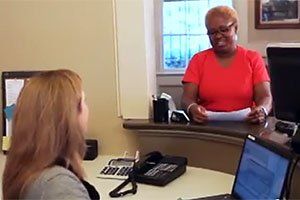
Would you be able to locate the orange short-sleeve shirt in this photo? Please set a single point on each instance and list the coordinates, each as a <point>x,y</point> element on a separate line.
<point>226,88</point>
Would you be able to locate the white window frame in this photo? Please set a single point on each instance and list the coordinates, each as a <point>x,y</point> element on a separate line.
<point>158,9</point>
<point>160,71</point>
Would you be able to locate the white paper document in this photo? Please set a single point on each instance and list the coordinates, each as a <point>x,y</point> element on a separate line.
<point>239,115</point>
<point>13,88</point>
<point>8,127</point>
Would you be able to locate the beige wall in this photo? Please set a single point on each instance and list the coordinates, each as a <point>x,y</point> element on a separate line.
<point>136,56</point>
<point>79,34</point>
<point>259,38</point>
<point>46,34</point>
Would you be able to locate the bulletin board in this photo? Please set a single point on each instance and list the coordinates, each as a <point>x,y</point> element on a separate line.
<point>12,83</point>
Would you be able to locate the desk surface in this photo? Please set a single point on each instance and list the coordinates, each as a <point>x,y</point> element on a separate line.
<point>195,182</point>
<point>222,130</point>
<point>237,129</point>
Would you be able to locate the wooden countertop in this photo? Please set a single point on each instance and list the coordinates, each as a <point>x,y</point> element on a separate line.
<point>234,130</point>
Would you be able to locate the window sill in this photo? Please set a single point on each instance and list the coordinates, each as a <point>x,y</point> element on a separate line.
<point>170,73</point>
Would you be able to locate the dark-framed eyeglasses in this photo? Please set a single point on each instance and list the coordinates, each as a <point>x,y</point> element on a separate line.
<point>224,30</point>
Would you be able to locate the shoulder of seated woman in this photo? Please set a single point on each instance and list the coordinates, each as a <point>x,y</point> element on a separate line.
<point>55,181</point>
<point>57,172</point>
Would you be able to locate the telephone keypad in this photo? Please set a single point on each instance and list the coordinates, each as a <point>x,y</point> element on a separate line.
<point>161,170</point>
<point>116,169</point>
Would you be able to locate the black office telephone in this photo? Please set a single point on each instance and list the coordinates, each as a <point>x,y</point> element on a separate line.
<point>156,169</point>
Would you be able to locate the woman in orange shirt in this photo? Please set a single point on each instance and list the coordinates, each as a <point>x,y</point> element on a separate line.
<point>226,77</point>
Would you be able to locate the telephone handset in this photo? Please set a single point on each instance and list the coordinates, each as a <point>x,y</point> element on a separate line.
<point>147,161</point>
<point>156,169</point>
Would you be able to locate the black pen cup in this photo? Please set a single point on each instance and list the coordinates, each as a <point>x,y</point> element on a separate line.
<point>161,110</point>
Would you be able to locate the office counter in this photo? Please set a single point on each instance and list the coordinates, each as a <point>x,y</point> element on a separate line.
<point>214,138</point>
<point>232,132</point>
<point>214,145</point>
<point>195,182</point>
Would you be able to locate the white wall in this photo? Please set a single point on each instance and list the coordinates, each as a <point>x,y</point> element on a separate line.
<point>136,56</point>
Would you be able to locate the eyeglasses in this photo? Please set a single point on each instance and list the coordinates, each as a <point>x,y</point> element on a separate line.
<point>224,30</point>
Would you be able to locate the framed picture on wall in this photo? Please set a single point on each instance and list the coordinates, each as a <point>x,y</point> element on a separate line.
<point>277,14</point>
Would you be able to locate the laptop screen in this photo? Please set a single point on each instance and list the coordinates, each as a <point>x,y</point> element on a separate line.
<point>261,173</point>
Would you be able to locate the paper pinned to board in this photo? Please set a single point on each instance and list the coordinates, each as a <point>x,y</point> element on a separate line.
<point>239,115</point>
<point>9,111</point>
<point>5,143</point>
<point>8,124</point>
<point>13,88</point>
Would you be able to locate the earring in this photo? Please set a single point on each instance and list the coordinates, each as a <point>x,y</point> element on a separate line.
<point>235,37</point>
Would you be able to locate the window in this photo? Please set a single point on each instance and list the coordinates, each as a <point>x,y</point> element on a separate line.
<point>184,31</point>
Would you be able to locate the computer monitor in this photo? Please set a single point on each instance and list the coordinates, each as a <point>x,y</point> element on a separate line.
<point>284,66</point>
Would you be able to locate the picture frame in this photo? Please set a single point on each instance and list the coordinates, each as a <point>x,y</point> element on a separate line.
<point>277,14</point>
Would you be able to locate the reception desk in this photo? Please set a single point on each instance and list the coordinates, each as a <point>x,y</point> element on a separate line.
<point>195,182</point>
<point>232,132</point>
<point>214,145</point>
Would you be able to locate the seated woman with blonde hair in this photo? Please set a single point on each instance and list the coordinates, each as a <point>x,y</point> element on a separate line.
<point>47,145</point>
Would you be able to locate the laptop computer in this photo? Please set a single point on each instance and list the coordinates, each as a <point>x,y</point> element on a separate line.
<point>262,172</point>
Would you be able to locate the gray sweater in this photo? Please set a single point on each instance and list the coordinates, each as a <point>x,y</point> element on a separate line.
<point>57,183</point>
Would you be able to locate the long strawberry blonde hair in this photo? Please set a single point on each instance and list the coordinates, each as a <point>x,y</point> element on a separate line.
<point>45,130</point>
